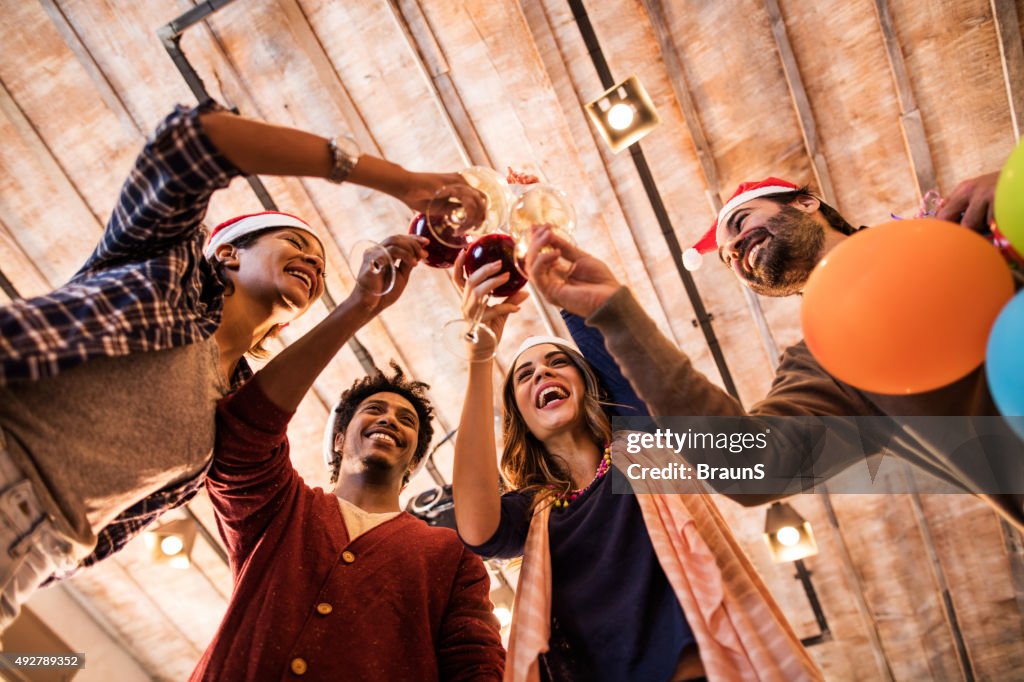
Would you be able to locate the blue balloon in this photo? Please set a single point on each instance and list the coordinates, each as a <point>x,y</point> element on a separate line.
<point>1004,363</point>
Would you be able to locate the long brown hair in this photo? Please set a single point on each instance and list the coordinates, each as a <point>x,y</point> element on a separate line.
<point>526,465</point>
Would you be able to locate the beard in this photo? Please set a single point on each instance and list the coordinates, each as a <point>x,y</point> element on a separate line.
<point>787,259</point>
<point>374,468</point>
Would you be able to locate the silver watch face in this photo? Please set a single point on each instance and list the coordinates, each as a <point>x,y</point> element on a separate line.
<point>347,148</point>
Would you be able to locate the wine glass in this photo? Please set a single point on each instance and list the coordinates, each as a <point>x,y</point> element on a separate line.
<point>380,263</point>
<point>449,227</point>
<point>465,337</point>
<point>449,224</point>
<point>541,204</point>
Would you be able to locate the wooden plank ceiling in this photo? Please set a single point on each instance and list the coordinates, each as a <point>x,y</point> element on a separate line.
<point>864,99</point>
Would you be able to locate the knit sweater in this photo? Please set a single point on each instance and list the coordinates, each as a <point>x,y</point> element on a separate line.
<point>404,601</point>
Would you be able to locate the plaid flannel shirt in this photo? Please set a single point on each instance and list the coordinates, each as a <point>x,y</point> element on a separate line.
<point>146,287</point>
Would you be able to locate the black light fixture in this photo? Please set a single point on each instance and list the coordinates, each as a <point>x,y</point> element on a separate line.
<point>171,543</point>
<point>789,535</point>
<point>790,538</point>
<point>623,114</point>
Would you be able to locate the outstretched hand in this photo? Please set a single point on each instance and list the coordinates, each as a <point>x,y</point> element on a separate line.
<point>971,203</point>
<point>567,276</point>
<point>451,189</point>
<point>475,292</point>
<point>406,251</point>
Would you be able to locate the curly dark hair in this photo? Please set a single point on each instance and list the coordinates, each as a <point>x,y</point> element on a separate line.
<point>832,216</point>
<point>378,382</point>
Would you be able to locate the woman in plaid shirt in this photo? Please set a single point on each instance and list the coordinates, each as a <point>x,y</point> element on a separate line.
<point>108,384</point>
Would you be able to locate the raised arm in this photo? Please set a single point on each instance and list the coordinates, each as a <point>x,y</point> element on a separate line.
<point>287,378</point>
<point>475,477</point>
<point>258,148</point>
<point>195,152</point>
<point>662,375</point>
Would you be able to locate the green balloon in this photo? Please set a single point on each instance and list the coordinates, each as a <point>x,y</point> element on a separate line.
<point>1009,202</point>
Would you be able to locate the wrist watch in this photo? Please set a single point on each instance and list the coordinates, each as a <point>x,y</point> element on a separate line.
<point>345,152</point>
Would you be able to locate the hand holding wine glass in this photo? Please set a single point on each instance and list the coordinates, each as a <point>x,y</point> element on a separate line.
<point>477,288</point>
<point>568,276</point>
<point>446,191</point>
<point>496,256</point>
<point>403,253</point>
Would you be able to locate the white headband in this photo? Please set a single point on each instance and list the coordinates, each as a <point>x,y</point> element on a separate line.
<point>532,341</point>
<point>231,231</point>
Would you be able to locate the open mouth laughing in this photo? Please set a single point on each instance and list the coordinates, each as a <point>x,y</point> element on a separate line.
<point>305,275</point>
<point>384,436</point>
<point>751,249</point>
<point>549,395</point>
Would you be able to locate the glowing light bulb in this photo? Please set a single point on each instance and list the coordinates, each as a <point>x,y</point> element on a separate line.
<point>180,562</point>
<point>503,615</point>
<point>171,545</point>
<point>788,536</point>
<point>620,116</point>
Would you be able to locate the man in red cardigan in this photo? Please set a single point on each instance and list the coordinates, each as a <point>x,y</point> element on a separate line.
<point>340,585</point>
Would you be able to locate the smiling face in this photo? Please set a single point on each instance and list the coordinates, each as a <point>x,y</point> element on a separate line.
<point>549,391</point>
<point>381,438</point>
<point>282,268</point>
<point>772,248</point>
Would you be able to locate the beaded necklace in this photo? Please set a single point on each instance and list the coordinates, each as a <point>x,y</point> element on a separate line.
<point>563,500</point>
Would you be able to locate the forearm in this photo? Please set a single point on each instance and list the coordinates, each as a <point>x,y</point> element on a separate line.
<point>475,475</point>
<point>287,378</point>
<point>660,373</point>
<point>258,148</point>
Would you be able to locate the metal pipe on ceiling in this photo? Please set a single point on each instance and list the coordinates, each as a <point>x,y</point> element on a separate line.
<point>170,36</point>
<point>704,319</point>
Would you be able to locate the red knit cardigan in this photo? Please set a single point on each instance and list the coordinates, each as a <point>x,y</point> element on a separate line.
<point>404,601</point>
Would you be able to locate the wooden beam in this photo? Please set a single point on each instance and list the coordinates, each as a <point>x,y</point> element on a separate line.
<point>309,42</point>
<point>409,17</point>
<point>1013,541</point>
<point>1011,53</point>
<point>804,113</point>
<point>857,588</point>
<point>713,187</point>
<point>910,117</point>
<point>434,65</point>
<point>939,575</point>
<point>677,77</point>
<point>40,149</point>
<point>106,90</point>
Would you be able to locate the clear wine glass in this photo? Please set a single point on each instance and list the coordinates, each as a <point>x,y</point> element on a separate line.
<point>380,262</point>
<point>541,204</point>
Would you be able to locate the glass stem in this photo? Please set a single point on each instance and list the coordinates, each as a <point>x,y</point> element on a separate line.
<point>477,317</point>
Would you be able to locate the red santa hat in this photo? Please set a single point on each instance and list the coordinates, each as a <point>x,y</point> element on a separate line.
<point>747,191</point>
<point>230,230</point>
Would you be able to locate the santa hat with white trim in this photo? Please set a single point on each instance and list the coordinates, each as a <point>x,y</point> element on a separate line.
<point>747,191</point>
<point>230,230</point>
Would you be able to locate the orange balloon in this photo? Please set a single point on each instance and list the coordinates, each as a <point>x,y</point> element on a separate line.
<point>906,306</point>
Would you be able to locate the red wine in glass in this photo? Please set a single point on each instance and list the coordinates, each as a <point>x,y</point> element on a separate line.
<point>497,247</point>
<point>441,252</point>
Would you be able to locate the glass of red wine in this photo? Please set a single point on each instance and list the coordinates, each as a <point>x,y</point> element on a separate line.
<point>467,337</point>
<point>447,225</point>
